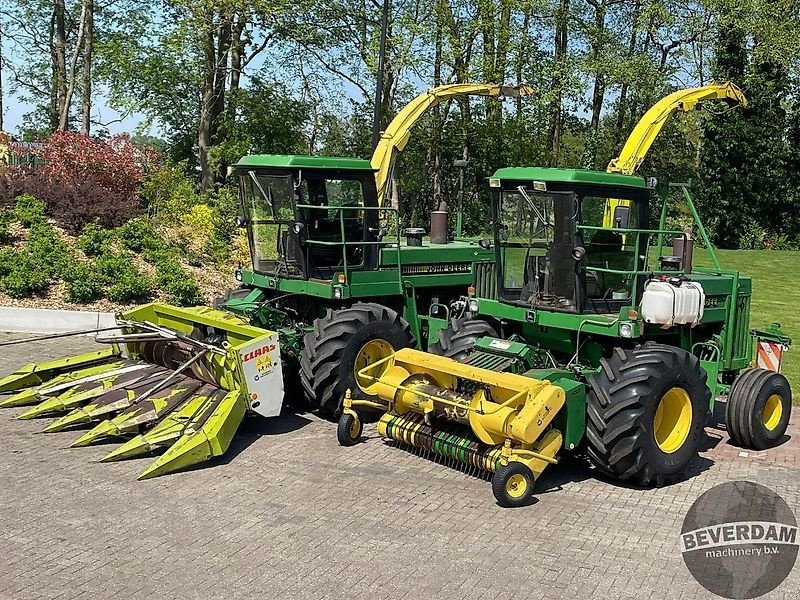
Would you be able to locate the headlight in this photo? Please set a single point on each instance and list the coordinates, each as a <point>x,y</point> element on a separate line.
<point>238,274</point>
<point>473,305</point>
<point>337,293</point>
<point>626,330</point>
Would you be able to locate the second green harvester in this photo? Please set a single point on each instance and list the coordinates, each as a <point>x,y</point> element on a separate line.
<point>578,337</point>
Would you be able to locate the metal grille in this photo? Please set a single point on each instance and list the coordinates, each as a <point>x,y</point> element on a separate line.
<point>486,280</point>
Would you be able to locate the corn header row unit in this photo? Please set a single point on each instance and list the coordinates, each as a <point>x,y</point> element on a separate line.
<point>576,323</point>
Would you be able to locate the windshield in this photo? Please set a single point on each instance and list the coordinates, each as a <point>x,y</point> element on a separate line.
<point>536,236</point>
<point>269,207</point>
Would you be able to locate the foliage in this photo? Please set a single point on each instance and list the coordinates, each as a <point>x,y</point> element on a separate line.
<point>167,192</point>
<point>83,283</point>
<point>25,277</point>
<point>130,286</point>
<point>138,234</point>
<point>6,217</point>
<point>28,210</point>
<point>47,249</point>
<point>94,239</point>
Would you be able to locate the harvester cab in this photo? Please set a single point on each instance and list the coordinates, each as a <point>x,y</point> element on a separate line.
<point>309,217</point>
<point>555,252</point>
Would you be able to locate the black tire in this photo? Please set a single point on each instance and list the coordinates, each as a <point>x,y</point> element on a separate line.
<point>349,430</point>
<point>622,405</point>
<point>457,340</point>
<point>327,363</point>
<point>506,483</point>
<point>747,421</point>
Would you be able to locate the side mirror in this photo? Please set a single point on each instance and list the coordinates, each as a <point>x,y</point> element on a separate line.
<point>578,253</point>
<point>622,217</point>
<point>241,221</point>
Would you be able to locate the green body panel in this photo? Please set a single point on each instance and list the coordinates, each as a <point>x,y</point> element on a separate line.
<point>575,176</point>
<point>290,161</point>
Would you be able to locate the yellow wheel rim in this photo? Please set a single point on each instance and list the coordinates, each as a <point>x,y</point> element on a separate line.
<point>371,352</point>
<point>355,425</point>
<point>773,411</point>
<point>673,420</point>
<point>516,486</point>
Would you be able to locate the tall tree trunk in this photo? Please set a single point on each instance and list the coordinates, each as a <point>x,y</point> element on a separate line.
<point>205,126</point>
<point>623,92</point>
<point>88,48</point>
<point>1,78</point>
<point>72,75</point>
<point>599,90</point>
<point>559,59</point>
<point>58,42</point>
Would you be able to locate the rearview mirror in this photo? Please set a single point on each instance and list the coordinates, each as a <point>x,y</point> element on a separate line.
<point>622,217</point>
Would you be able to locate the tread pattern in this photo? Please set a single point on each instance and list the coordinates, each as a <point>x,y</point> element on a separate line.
<point>741,413</point>
<point>459,337</point>
<point>324,349</point>
<point>620,405</point>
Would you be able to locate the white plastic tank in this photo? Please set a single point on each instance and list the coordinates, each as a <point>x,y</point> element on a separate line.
<point>672,302</point>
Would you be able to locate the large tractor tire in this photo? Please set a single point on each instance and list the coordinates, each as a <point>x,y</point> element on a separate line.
<point>758,409</point>
<point>458,339</point>
<point>343,342</point>
<point>646,410</point>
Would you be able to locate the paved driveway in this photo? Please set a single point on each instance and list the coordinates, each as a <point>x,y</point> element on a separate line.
<point>289,514</point>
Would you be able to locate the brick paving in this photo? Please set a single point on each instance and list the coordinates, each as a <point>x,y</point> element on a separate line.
<point>289,514</point>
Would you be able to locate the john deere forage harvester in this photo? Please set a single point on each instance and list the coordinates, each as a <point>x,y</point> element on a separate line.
<point>578,337</point>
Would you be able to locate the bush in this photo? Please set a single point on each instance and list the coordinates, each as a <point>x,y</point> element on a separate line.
<point>182,290</point>
<point>29,210</point>
<point>94,239</point>
<point>47,249</point>
<point>8,256</point>
<point>5,221</point>
<point>138,234</point>
<point>25,277</point>
<point>82,179</point>
<point>111,264</point>
<point>167,193</point>
<point>130,286</point>
<point>83,283</point>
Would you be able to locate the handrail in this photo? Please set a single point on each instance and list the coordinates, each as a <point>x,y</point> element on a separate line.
<point>344,243</point>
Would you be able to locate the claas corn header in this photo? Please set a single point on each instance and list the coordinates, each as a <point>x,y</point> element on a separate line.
<point>170,378</point>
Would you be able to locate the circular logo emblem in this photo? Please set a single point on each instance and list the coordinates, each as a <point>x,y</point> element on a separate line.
<point>739,540</point>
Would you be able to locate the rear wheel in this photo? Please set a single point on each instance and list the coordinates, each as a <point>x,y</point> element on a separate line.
<point>344,342</point>
<point>758,409</point>
<point>457,340</point>
<point>646,410</point>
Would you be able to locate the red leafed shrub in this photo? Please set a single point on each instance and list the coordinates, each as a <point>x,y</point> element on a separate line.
<point>82,179</point>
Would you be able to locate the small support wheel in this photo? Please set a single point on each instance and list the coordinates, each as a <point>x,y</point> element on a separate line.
<point>512,485</point>
<point>758,409</point>
<point>349,430</point>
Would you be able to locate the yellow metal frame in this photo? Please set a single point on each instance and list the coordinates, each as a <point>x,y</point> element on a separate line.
<point>394,139</point>
<point>509,410</point>
<point>650,125</point>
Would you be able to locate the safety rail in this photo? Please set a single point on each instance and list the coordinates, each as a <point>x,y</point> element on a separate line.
<point>638,233</point>
<point>343,244</point>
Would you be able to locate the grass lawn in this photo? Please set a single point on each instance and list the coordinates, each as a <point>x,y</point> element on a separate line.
<point>776,296</point>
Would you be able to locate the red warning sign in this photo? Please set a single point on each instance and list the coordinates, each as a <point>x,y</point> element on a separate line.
<point>769,355</point>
